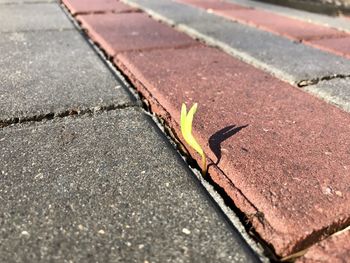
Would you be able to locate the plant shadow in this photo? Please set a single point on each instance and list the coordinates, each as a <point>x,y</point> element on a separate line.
<point>220,136</point>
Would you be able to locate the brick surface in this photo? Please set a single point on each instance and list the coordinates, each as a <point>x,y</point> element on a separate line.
<point>340,46</point>
<point>29,17</point>
<point>285,153</point>
<point>280,56</point>
<point>96,6</point>
<point>105,188</point>
<point>335,249</point>
<point>134,31</point>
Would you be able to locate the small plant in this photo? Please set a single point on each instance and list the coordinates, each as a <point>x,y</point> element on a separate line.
<point>186,130</point>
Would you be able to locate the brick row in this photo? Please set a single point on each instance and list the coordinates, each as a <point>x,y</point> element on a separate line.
<point>325,38</point>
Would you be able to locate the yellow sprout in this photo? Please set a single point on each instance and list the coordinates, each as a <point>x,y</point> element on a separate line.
<point>186,130</point>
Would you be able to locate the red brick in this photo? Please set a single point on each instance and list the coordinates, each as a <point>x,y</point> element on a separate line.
<point>212,4</point>
<point>133,31</point>
<point>96,6</point>
<point>340,46</point>
<point>335,249</point>
<point>288,27</point>
<point>288,170</point>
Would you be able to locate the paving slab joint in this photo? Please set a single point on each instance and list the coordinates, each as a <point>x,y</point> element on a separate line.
<point>107,12</point>
<point>301,253</point>
<point>38,30</point>
<point>245,220</point>
<point>64,114</point>
<point>207,181</point>
<point>308,82</point>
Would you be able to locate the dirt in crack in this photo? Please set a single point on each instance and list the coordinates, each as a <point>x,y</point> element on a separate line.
<point>71,112</point>
<point>309,82</point>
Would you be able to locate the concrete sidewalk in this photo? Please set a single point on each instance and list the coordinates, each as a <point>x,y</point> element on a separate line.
<point>86,174</point>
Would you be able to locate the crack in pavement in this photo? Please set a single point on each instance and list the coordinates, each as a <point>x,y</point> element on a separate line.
<point>308,82</point>
<point>66,113</point>
<point>38,30</point>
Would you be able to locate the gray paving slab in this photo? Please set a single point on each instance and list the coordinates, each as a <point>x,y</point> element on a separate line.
<point>52,72</point>
<point>26,1</point>
<point>319,19</point>
<point>282,57</point>
<point>30,17</point>
<point>335,91</point>
<point>107,188</point>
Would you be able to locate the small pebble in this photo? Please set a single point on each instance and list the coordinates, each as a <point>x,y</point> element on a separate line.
<point>338,193</point>
<point>186,231</point>
<point>25,233</point>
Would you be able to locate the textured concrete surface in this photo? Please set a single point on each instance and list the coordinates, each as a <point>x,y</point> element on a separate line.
<point>211,5</point>
<point>284,58</point>
<point>335,249</point>
<point>106,188</point>
<point>96,6</point>
<point>117,33</point>
<point>335,91</point>
<point>47,72</point>
<point>285,150</point>
<point>28,17</point>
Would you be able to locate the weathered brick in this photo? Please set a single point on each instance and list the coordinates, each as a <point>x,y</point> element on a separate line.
<point>133,31</point>
<point>285,152</point>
